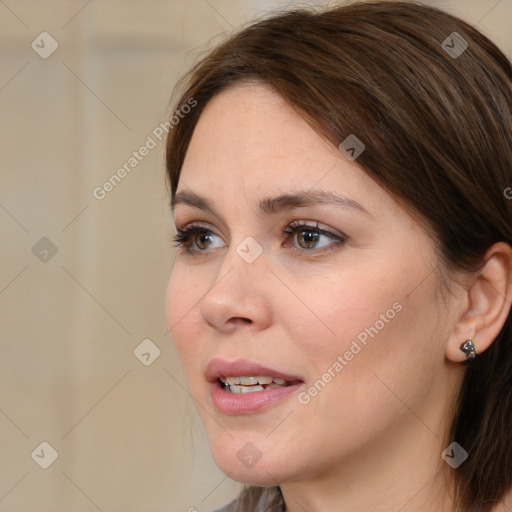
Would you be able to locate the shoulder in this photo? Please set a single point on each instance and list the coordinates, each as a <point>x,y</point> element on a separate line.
<point>256,499</point>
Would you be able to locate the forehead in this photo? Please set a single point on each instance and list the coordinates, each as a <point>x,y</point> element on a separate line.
<point>253,125</point>
<point>249,144</point>
<point>248,137</point>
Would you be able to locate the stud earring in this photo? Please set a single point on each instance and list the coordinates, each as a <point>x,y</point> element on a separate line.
<point>468,347</point>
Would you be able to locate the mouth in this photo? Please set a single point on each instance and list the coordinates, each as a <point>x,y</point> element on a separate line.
<point>250,384</point>
<point>243,387</point>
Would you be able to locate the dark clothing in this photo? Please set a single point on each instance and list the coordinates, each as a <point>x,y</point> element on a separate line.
<point>256,499</point>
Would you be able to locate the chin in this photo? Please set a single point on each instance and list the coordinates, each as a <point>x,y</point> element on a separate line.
<point>258,476</point>
<point>244,462</point>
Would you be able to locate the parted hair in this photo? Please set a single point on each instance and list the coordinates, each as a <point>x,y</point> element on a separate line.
<point>434,110</point>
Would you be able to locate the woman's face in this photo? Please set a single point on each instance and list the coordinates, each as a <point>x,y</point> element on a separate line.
<point>344,310</point>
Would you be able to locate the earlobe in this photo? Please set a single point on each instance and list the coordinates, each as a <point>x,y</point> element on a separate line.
<point>487,306</point>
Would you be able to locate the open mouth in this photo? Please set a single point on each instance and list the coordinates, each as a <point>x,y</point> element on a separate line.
<point>251,384</point>
<point>243,387</point>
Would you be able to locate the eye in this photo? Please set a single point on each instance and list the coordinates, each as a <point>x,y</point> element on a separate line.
<point>311,238</point>
<point>197,238</point>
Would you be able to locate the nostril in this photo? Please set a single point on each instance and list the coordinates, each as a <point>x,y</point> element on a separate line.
<point>240,320</point>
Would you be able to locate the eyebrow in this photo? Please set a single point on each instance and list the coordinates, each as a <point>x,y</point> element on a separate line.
<point>276,204</point>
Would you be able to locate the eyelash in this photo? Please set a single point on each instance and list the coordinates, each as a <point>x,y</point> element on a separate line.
<point>183,237</point>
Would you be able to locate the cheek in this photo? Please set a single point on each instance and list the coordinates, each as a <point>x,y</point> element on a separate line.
<point>365,328</point>
<point>182,298</point>
<point>345,311</point>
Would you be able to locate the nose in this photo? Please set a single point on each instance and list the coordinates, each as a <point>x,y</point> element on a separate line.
<point>238,297</point>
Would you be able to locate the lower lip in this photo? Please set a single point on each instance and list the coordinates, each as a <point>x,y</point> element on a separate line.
<point>247,403</point>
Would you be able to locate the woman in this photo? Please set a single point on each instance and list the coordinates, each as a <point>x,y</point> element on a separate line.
<point>340,298</point>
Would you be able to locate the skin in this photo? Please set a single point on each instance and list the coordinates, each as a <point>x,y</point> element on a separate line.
<point>372,438</point>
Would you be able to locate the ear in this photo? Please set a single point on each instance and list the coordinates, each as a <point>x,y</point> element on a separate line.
<point>487,303</point>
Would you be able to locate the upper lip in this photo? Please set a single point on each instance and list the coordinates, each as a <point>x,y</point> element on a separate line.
<point>242,368</point>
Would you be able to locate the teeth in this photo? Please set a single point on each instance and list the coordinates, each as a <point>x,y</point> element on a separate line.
<point>251,381</point>
<point>250,384</point>
<point>250,389</point>
<point>248,381</point>
<point>244,389</point>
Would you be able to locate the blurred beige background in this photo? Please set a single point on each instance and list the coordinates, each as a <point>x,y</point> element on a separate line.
<point>83,274</point>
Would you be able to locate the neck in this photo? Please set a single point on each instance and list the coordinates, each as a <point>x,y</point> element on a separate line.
<point>411,479</point>
<point>401,469</point>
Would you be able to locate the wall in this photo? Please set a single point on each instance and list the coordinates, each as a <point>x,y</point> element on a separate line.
<point>84,268</point>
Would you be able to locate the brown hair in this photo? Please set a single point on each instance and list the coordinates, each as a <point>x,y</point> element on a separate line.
<point>437,127</point>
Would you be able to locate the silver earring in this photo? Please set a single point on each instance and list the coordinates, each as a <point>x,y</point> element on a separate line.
<point>468,347</point>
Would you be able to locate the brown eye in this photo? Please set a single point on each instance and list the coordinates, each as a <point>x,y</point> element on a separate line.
<point>311,238</point>
<point>307,238</point>
<point>202,240</point>
<point>197,239</point>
